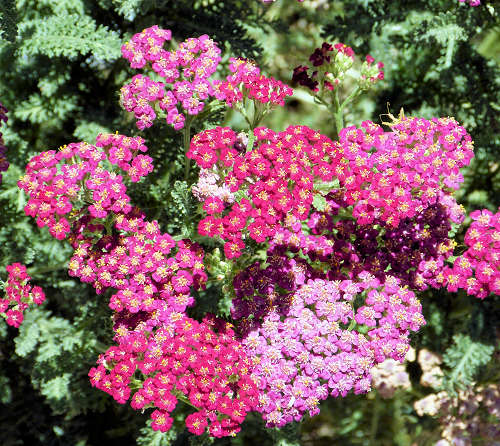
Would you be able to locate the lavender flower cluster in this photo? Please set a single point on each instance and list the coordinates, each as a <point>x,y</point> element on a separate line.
<point>326,344</point>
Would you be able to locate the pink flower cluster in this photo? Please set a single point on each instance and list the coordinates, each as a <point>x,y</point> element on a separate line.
<point>477,270</point>
<point>408,171</point>
<point>65,183</point>
<point>151,271</point>
<point>184,360</point>
<point>20,295</point>
<point>324,345</point>
<point>186,70</point>
<point>247,81</point>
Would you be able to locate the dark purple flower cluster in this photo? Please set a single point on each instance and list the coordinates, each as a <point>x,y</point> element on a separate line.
<point>262,288</point>
<point>3,160</point>
<point>348,248</point>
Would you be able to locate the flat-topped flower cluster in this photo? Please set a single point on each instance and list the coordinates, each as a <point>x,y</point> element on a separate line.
<point>314,350</point>
<point>187,83</point>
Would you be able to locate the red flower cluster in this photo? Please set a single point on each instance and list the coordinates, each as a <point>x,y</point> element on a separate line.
<point>20,295</point>
<point>59,182</point>
<point>278,176</point>
<point>184,360</point>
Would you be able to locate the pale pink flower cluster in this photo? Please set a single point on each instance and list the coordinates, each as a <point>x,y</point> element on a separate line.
<point>210,185</point>
<point>389,376</point>
<point>432,375</point>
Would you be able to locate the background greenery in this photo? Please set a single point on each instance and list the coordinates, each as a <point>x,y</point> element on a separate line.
<point>60,76</point>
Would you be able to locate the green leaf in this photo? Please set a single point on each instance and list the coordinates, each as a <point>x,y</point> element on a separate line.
<point>29,333</point>
<point>56,388</point>
<point>319,202</point>
<point>72,35</point>
<point>464,359</point>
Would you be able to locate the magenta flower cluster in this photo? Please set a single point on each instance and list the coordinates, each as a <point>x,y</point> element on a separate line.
<point>19,295</point>
<point>316,349</point>
<point>151,271</point>
<point>185,71</point>
<point>477,270</point>
<point>183,360</point>
<point>60,182</point>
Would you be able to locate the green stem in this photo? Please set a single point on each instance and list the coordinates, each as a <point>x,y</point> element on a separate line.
<point>339,108</point>
<point>337,113</point>
<point>375,419</point>
<point>187,141</point>
<point>449,52</point>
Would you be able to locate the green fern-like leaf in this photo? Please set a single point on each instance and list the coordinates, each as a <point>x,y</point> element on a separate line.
<point>70,36</point>
<point>464,359</point>
<point>127,8</point>
<point>88,131</point>
<point>56,388</point>
<point>38,109</point>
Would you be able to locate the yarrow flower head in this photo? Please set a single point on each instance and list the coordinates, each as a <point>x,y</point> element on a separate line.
<point>316,349</point>
<point>20,295</point>
<point>183,359</point>
<point>477,270</point>
<point>74,181</point>
<point>247,82</point>
<point>185,71</point>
